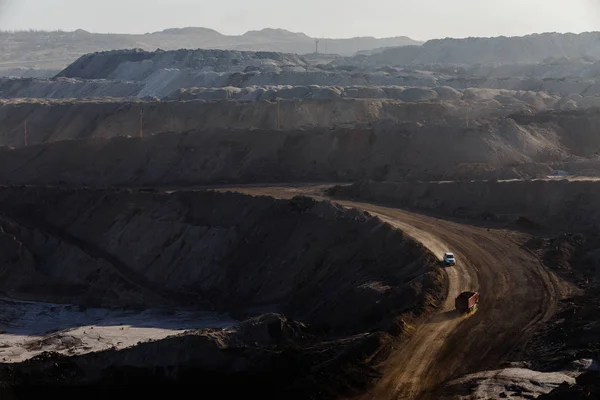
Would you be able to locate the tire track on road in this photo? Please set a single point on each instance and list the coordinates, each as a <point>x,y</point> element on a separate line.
<point>517,295</point>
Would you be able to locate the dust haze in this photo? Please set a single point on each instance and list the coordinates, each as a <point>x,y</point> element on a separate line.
<point>242,201</point>
<point>421,20</point>
<point>3,13</point>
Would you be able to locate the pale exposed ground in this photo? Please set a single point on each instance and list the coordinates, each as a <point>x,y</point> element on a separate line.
<point>513,383</point>
<point>30,328</point>
<point>572,178</point>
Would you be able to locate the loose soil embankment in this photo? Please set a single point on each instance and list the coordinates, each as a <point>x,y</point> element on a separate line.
<point>138,248</point>
<point>549,205</point>
<point>384,151</point>
<point>349,277</point>
<point>58,120</point>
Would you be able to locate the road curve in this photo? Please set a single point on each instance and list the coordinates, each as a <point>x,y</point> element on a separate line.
<point>516,295</point>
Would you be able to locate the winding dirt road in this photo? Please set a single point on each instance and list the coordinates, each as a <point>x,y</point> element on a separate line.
<point>517,294</point>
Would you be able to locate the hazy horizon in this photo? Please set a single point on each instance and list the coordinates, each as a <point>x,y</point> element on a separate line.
<point>422,20</point>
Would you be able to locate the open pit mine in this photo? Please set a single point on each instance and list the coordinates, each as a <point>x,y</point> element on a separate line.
<point>262,223</point>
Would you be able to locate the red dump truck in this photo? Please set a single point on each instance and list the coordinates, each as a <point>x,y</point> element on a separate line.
<point>466,301</point>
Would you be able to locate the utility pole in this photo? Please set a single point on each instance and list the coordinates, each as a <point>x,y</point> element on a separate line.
<point>141,123</point>
<point>277,114</point>
<point>316,46</point>
<point>25,134</point>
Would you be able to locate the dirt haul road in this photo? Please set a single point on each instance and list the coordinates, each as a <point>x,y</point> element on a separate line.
<point>517,294</point>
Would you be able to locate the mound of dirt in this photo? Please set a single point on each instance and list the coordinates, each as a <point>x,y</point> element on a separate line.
<point>137,65</point>
<point>49,120</point>
<point>59,120</point>
<point>566,94</point>
<point>383,150</point>
<point>586,387</point>
<point>313,91</point>
<point>549,204</point>
<point>509,383</point>
<point>226,252</point>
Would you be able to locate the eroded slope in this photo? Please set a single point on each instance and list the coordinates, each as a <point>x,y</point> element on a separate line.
<point>220,251</point>
<point>349,277</point>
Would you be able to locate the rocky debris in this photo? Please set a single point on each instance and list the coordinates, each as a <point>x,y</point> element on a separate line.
<point>587,387</point>
<point>569,340</point>
<point>572,333</point>
<point>509,383</point>
<point>575,255</point>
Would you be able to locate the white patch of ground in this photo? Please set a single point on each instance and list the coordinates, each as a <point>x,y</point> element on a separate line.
<point>30,328</point>
<point>510,383</point>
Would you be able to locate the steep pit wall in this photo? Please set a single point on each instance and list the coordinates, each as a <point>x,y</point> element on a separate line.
<point>322,264</point>
<point>351,279</point>
<point>59,120</point>
<point>577,129</point>
<point>536,132</point>
<point>384,151</point>
<point>552,204</point>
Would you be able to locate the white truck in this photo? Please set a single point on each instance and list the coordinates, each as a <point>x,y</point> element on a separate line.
<point>449,259</point>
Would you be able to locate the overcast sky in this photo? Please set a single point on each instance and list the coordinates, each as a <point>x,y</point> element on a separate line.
<point>419,19</point>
